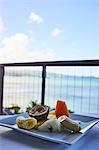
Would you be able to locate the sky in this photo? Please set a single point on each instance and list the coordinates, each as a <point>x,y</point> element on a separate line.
<point>47,30</point>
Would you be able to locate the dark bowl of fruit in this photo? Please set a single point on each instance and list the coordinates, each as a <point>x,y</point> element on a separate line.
<point>39,112</point>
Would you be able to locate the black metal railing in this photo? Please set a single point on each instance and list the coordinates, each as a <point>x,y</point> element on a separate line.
<point>44,75</point>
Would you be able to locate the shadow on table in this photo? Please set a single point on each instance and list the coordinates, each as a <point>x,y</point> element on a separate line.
<point>26,141</point>
<point>20,141</point>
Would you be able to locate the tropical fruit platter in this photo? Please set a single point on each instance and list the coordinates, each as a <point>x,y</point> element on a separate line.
<point>41,118</point>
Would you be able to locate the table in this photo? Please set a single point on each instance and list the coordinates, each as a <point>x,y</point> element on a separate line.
<point>12,140</point>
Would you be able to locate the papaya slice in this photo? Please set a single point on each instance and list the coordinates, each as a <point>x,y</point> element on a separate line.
<point>61,109</point>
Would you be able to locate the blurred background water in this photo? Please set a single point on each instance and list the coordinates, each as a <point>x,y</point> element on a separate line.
<point>80,93</point>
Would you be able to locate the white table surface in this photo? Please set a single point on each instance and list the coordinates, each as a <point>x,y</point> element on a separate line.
<point>12,140</point>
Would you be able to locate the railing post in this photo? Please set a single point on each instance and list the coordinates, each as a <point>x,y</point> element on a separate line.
<point>1,88</point>
<point>43,84</point>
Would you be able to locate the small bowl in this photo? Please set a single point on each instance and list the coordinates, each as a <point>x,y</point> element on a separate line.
<point>39,112</point>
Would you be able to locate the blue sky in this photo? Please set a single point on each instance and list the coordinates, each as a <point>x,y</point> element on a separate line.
<point>41,30</point>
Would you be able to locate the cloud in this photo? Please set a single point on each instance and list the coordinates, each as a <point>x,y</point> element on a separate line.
<point>16,48</point>
<point>56,32</point>
<point>2,26</point>
<point>35,18</point>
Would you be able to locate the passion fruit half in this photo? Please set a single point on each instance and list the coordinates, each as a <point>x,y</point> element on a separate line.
<point>39,112</point>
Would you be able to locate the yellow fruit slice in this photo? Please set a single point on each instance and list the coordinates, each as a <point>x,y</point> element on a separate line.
<point>26,123</point>
<point>52,112</point>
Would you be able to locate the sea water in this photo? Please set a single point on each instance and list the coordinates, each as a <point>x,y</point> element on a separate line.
<point>80,93</point>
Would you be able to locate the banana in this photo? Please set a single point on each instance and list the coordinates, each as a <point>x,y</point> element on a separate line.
<point>67,123</point>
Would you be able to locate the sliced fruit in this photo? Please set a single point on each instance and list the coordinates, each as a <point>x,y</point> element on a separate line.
<point>61,109</point>
<point>26,123</point>
<point>52,112</point>
<point>40,112</point>
<point>67,123</point>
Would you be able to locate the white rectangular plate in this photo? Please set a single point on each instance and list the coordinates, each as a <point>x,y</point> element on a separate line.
<point>62,137</point>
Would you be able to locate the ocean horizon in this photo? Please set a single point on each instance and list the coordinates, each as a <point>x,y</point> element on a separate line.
<point>81,93</point>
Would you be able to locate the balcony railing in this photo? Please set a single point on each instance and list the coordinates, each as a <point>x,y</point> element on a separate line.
<point>76,82</point>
